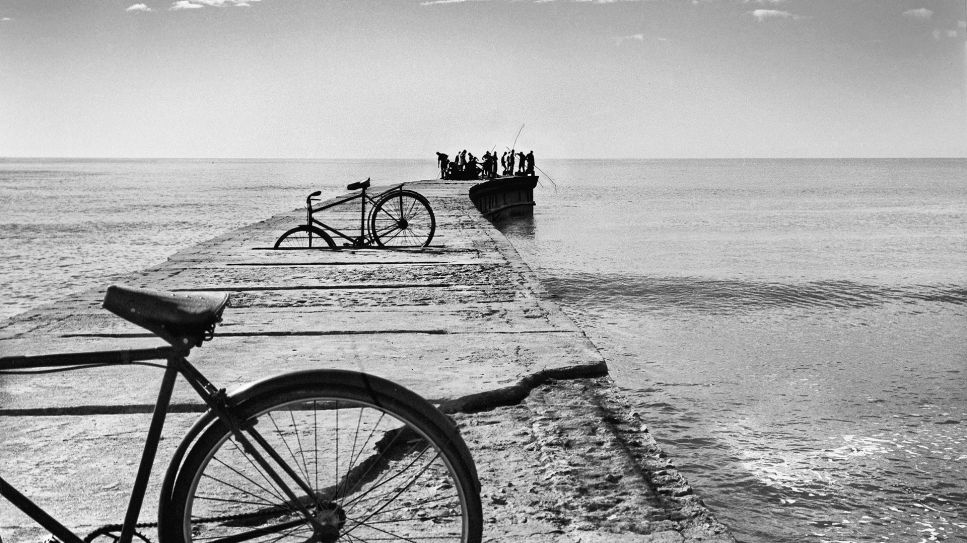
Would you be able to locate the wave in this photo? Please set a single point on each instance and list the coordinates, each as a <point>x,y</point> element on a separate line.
<point>728,296</point>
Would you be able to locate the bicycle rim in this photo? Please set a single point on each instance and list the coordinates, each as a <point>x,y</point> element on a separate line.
<point>375,475</point>
<point>303,237</point>
<point>402,219</point>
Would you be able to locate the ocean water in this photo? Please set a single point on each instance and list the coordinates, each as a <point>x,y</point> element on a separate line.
<point>69,225</point>
<point>793,331</point>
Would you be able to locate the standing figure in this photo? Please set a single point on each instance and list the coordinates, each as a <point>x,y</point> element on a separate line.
<point>520,163</point>
<point>529,161</point>
<point>472,166</point>
<point>510,162</point>
<point>443,161</point>
<point>486,164</point>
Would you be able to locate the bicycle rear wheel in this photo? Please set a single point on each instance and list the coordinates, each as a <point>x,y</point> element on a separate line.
<point>380,464</point>
<point>304,237</point>
<point>402,218</point>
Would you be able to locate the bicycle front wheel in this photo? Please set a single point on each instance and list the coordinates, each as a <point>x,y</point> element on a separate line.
<point>374,462</point>
<point>304,237</point>
<point>402,218</point>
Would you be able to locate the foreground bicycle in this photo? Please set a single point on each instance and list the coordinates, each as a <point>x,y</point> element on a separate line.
<point>397,218</point>
<point>314,456</point>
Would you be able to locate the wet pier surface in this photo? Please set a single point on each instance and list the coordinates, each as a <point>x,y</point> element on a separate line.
<point>463,322</point>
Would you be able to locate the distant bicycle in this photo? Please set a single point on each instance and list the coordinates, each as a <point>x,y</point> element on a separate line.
<point>396,218</point>
<point>319,456</point>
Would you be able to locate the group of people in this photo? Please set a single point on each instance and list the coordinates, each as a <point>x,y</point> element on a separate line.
<point>466,166</point>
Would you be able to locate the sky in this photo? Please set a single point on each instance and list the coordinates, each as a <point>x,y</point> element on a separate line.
<point>406,78</point>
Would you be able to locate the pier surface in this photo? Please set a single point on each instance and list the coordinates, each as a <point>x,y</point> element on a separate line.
<point>463,322</point>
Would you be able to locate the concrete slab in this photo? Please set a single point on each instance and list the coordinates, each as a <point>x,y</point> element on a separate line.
<point>463,322</point>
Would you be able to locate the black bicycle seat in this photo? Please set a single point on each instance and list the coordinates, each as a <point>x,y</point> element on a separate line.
<point>180,319</point>
<point>358,185</point>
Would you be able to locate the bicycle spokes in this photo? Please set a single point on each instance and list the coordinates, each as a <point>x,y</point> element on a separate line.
<point>402,219</point>
<point>370,477</point>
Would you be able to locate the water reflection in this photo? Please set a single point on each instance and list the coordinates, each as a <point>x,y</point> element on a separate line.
<point>518,228</point>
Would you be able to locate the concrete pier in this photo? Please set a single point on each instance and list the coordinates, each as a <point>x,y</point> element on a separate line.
<point>463,322</point>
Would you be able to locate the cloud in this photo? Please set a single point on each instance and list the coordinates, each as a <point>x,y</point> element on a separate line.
<point>439,2</point>
<point>198,4</point>
<point>618,40</point>
<point>138,7</point>
<point>762,15</point>
<point>922,14</point>
<point>223,3</point>
<point>3,19</point>
<point>939,34</point>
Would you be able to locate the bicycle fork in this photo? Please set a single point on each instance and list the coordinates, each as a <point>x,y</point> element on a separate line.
<point>309,213</point>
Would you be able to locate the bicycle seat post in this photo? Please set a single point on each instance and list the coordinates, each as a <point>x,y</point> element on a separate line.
<point>362,214</point>
<point>361,186</point>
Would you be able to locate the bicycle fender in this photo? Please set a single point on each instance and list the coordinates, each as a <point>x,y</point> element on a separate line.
<point>349,378</point>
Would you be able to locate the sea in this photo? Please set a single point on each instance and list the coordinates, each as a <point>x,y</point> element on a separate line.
<point>793,332</point>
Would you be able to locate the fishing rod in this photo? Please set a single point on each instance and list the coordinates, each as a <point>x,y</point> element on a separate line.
<point>514,146</point>
<point>535,165</point>
<point>547,176</point>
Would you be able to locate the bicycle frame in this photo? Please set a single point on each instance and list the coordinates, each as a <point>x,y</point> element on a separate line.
<point>177,364</point>
<point>359,241</point>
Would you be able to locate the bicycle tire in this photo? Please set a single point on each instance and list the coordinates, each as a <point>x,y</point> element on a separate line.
<point>417,482</point>
<point>301,237</point>
<point>402,218</point>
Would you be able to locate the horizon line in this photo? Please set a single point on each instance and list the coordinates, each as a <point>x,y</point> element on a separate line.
<point>432,159</point>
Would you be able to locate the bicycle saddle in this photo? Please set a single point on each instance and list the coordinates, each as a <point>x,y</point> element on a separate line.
<point>182,320</point>
<point>358,185</point>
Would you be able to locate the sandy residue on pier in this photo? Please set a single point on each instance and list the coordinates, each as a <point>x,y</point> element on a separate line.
<point>573,462</point>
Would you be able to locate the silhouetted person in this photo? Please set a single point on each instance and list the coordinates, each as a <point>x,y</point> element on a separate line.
<point>510,162</point>
<point>487,163</point>
<point>529,163</point>
<point>472,166</point>
<point>443,161</point>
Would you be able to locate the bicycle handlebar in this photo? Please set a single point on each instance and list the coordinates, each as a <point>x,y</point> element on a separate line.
<point>311,196</point>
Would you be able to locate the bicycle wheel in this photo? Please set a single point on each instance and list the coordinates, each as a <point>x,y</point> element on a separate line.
<point>402,219</point>
<point>376,463</point>
<point>304,237</point>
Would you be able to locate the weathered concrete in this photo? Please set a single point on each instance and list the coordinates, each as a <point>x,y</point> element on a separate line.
<point>463,323</point>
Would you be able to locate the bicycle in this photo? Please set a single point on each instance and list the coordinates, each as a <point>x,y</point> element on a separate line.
<point>319,456</point>
<point>397,218</point>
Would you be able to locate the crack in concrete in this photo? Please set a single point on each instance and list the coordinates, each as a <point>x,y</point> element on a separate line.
<point>473,403</point>
<point>316,287</point>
